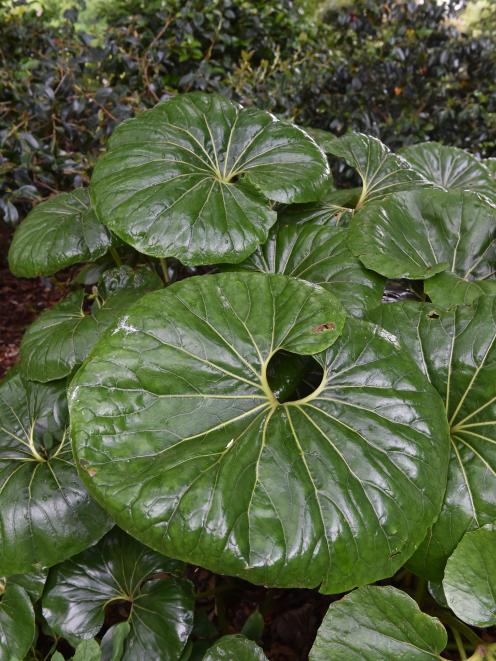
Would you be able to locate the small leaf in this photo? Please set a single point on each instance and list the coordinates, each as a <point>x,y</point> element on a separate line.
<point>120,569</point>
<point>45,513</point>
<point>457,351</point>
<point>33,583</point>
<point>253,626</point>
<point>61,338</point>
<point>419,233</point>
<point>17,626</point>
<point>381,171</point>
<point>192,177</point>
<point>375,623</point>
<point>448,289</point>
<point>177,401</point>
<point>236,647</point>
<point>470,578</point>
<point>450,167</point>
<point>319,253</point>
<point>58,233</point>
<point>88,650</point>
<point>114,641</point>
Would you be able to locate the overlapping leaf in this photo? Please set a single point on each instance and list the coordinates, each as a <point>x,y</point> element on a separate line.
<point>457,351</point>
<point>60,232</point>
<point>450,167</point>
<point>381,171</point>
<point>173,414</point>
<point>236,647</point>
<point>419,233</point>
<point>192,177</point>
<point>45,513</point>
<point>61,338</point>
<point>319,253</point>
<point>17,626</point>
<point>470,578</point>
<point>120,569</point>
<point>375,623</point>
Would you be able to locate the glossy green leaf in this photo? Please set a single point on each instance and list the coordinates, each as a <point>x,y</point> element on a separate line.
<point>253,626</point>
<point>173,414</point>
<point>457,351</point>
<point>419,233</point>
<point>334,208</point>
<point>88,650</point>
<point>33,583</point>
<point>450,167</point>
<point>17,627</point>
<point>61,338</point>
<point>378,623</point>
<point>490,164</point>
<point>57,233</point>
<point>192,177</point>
<point>124,277</point>
<point>120,569</point>
<point>114,641</point>
<point>319,253</point>
<point>381,171</point>
<point>470,578</point>
<point>45,513</point>
<point>447,289</point>
<point>325,139</point>
<point>235,648</point>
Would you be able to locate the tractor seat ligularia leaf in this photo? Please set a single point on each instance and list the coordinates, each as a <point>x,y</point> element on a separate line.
<point>179,435</point>
<point>192,178</point>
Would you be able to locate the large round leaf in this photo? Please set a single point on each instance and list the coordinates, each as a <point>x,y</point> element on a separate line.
<point>61,338</point>
<point>172,415</point>
<point>457,351</point>
<point>319,253</point>
<point>192,177</point>
<point>450,167</point>
<point>45,513</point>
<point>381,171</point>
<point>417,234</point>
<point>378,623</point>
<point>119,569</point>
<point>235,648</point>
<point>470,578</point>
<point>62,231</point>
<point>17,626</point>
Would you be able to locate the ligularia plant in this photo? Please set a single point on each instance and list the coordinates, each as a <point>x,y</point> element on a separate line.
<point>224,384</point>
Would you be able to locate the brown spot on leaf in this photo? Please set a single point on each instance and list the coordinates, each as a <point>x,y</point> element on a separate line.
<point>91,472</point>
<point>320,328</point>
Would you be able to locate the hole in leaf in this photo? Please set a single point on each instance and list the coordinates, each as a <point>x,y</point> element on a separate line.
<point>292,377</point>
<point>432,315</point>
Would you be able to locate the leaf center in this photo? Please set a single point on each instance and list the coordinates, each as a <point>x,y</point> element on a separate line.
<point>292,377</point>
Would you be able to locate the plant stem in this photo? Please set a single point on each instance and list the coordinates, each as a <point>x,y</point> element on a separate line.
<point>459,644</point>
<point>165,272</point>
<point>115,256</point>
<point>454,623</point>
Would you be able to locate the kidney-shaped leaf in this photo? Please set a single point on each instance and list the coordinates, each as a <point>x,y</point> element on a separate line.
<point>417,234</point>
<point>192,177</point>
<point>470,578</point>
<point>234,648</point>
<point>457,351</point>
<point>378,623</point>
<point>17,626</point>
<point>45,513</point>
<point>120,569</point>
<point>319,253</point>
<point>450,167</point>
<point>381,171</point>
<point>61,338</point>
<point>173,414</point>
<point>57,233</point>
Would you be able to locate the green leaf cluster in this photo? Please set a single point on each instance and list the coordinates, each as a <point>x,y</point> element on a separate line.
<point>233,394</point>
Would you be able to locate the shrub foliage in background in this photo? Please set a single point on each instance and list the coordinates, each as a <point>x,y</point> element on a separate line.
<point>401,71</point>
<point>264,416</point>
